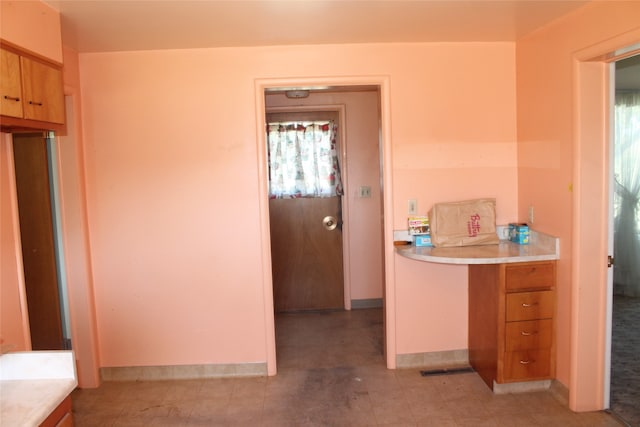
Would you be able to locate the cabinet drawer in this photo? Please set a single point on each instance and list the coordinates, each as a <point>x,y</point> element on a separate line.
<point>525,365</point>
<point>538,275</point>
<point>529,305</point>
<point>528,335</point>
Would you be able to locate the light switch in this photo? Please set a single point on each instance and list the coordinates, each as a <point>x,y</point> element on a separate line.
<point>531,215</point>
<point>364,191</point>
<point>412,206</point>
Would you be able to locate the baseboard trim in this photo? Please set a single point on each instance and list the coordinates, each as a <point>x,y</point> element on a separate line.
<point>521,387</point>
<point>560,392</point>
<point>182,372</point>
<point>366,303</point>
<point>434,359</point>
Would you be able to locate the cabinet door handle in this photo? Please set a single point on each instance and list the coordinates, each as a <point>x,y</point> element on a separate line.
<point>528,334</point>
<point>39,104</point>
<point>524,304</point>
<point>12,98</point>
<point>526,362</point>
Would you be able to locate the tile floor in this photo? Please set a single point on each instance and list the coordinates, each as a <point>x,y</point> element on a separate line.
<point>330,373</point>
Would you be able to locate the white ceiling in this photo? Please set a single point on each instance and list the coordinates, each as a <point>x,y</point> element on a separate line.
<point>124,25</point>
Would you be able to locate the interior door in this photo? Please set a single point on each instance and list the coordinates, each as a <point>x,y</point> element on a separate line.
<point>36,232</point>
<point>306,242</point>
<point>306,254</point>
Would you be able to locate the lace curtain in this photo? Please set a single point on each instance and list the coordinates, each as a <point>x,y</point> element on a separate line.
<point>303,160</point>
<point>626,272</point>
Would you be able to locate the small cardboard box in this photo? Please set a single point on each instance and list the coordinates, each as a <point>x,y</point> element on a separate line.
<point>423,240</point>
<point>519,233</point>
<point>419,225</point>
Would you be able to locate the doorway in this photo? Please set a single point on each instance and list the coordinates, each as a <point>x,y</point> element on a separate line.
<point>625,177</point>
<point>359,192</point>
<point>41,252</point>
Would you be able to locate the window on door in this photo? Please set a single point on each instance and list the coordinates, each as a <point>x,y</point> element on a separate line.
<point>303,159</point>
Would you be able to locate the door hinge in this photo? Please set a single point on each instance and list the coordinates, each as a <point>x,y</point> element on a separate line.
<point>610,261</point>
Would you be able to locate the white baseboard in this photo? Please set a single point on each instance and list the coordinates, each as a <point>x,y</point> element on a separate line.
<point>560,392</point>
<point>182,372</point>
<point>521,387</point>
<point>435,359</point>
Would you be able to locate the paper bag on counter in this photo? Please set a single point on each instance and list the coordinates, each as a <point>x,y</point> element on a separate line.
<point>465,223</point>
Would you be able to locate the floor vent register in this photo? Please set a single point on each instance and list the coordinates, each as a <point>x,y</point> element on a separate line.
<point>446,371</point>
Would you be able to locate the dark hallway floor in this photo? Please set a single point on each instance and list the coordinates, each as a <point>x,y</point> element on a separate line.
<point>625,359</point>
<point>331,372</point>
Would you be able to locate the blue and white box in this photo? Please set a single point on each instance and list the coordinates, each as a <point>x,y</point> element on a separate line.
<point>423,240</point>
<point>519,233</point>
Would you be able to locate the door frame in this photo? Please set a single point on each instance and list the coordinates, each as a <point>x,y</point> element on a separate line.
<point>344,201</point>
<point>590,305</point>
<point>260,86</point>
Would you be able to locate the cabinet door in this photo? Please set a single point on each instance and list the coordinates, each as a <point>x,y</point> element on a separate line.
<point>43,92</point>
<point>61,416</point>
<point>66,421</point>
<point>10,87</point>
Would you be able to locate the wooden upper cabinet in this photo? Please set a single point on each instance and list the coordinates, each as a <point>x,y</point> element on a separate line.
<point>10,84</point>
<point>43,92</point>
<point>31,92</point>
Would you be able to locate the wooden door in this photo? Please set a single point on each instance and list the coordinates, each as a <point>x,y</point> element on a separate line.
<point>36,231</point>
<point>306,255</point>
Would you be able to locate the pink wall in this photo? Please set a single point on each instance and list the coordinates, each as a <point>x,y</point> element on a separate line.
<point>364,222</point>
<point>562,158</point>
<point>18,19</point>
<point>172,185</point>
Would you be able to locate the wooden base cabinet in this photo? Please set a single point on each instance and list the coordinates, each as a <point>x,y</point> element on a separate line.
<point>62,416</point>
<point>512,321</point>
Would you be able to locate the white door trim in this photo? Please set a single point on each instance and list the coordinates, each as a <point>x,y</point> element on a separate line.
<point>588,381</point>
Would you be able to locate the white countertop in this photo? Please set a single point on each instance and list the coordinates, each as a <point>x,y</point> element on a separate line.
<point>541,247</point>
<point>33,384</point>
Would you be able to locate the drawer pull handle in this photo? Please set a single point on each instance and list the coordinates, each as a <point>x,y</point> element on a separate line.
<point>12,98</point>
<point>39,104</point>
<point>528,334</point>
<point>526,362</point>
<point>524,304</point>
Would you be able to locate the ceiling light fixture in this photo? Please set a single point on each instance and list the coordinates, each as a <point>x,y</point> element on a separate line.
<point>297,93</point>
